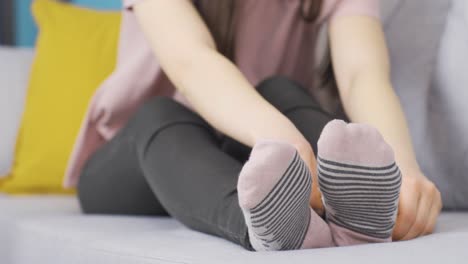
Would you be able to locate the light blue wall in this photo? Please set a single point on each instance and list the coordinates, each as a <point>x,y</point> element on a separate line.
<point>26,31</point>
<point>99,4</point>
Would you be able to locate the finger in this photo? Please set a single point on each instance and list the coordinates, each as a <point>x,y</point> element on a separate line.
<point>316,199</point>
<point>422,217</point>
<point>406,215</point>
<point>435,212</point>
<point>316,195</point>
<point>432,220</point>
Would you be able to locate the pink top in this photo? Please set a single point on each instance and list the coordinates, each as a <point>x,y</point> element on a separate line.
<point>271,39</point>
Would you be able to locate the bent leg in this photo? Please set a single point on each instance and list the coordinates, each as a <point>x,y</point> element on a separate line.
<point>166,158</point>
<point>112,182</point>
<point>296,104</point>
<point>195,181</point>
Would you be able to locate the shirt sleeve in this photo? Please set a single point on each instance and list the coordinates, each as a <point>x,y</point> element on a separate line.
<point>369,8</point>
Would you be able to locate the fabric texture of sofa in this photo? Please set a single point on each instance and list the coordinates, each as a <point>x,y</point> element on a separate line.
<point>447,108</point>
<point>52,230</point>
<point>14,68</point>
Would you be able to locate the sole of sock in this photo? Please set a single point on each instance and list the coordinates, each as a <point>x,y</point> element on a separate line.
<point>360,183</point>
<point>274,189</point>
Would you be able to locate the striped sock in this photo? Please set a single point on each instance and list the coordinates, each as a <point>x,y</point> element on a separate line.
<point>360,183</point>
<point>274,190</point>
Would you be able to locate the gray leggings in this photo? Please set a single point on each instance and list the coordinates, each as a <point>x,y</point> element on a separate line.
<point>168,161</point>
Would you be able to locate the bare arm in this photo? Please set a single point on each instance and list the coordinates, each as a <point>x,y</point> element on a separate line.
<point>362,69</point>
<point>363,75</point>
<point>212,84</point>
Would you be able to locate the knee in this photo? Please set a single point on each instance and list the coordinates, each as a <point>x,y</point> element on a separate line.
<point>161,112</point>
<point>285,94</point>
<point>159,115</point>
<point>278,84</point>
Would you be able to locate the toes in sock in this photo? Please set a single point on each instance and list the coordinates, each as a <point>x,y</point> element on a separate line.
<point>360,183</point>
<point>274,189</point>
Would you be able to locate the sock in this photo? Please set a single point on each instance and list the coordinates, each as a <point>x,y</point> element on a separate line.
<point>360,183</point>
<point>274,190</point>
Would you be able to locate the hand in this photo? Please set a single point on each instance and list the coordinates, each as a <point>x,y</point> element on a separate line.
<point>419,206</point>
<point>307,154</point>
<point>315,200</point>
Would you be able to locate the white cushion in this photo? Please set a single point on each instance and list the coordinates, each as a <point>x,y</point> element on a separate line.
<point>447,141</point>
<point>14,72</point>
<point>413,31</point>
<point>52,230</point>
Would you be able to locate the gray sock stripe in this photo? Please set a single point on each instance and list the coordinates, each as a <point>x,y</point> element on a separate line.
<point>287,175</point>
<point>361,183</point>
<point>360,172</point>
<point>364,220</point>
<point>286,233</point>
<point>281,219</point>
<point>292,223</point>
<point>346,194</point>
<point>278,216</point>
<point>338,175</point>
<point>295,186</point>
<point>296,217</point>
<point>363,207</point>
<point>350,201</point>
<point>296,238</point>
<point>290,236</point>
<point>355,176</point>
<point>380,207</point>
<point>364,228</point>
<point>391,187</point>
<point>360,198</point>
<point>358,195</point>
<point>345,165</point>
<point>372,216</point>
<point>377,234</point>
<point>375,190</point>
<point>377,202</point>
<point>285,199</point>
<point>306,227</point>
<point>280,209</point>
<point>293,193</point>
<point>359,186</point>
<point>306,223</point>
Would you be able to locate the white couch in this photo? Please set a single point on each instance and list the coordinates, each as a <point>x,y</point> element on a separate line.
<point>52,230</point>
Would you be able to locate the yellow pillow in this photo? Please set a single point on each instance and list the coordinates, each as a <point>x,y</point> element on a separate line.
<point>75,50</point>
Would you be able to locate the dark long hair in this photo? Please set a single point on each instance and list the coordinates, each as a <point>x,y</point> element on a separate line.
<point>220,19</point>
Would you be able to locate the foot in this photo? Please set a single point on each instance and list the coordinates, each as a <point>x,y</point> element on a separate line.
<point>360,183</point>
<point>274,189</point>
